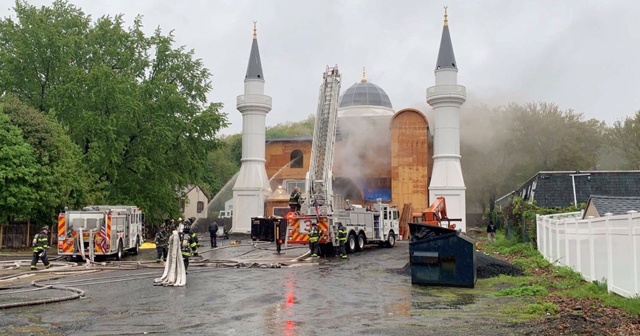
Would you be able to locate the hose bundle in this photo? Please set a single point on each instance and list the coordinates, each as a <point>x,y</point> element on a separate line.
<point>174,271</point>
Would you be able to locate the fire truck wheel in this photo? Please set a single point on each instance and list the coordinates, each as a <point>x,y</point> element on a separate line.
<point>391,241</point>
<point>120,252</point>
<point>136,249</point>
<point>361,240</point>
<point>351,243</point>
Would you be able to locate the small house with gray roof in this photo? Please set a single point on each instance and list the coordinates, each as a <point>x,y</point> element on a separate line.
<point>599,206</point>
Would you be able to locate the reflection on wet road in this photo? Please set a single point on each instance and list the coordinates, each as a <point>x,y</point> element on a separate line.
<point>366,294</point>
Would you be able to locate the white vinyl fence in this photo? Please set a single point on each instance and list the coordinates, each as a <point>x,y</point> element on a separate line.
<point>604,248</point>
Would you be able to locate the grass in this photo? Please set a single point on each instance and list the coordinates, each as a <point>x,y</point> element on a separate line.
<point>542,279</point>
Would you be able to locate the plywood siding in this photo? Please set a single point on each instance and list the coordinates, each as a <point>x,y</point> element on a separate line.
<point>410,159</point>
<point>278,154</point>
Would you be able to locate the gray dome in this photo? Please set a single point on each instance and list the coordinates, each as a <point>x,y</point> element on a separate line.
<point>365,94</point>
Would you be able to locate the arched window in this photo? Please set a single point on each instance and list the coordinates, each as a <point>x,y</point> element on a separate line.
<point>200,207</point>
<point>296,159</point>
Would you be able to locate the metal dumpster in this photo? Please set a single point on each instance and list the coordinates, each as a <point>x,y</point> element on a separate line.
<point>260,229</point>
<point>268,229</point>
<point>441,256</point>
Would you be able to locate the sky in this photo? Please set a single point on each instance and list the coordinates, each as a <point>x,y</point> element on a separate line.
<point>582,55</point>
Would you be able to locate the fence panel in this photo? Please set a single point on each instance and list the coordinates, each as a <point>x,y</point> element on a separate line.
<point>603,248</point>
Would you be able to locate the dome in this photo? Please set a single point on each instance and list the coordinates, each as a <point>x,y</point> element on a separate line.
<point>365,94</point>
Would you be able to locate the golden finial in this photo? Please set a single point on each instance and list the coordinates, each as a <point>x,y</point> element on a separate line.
<point>446,21</point>
<point>364,76</point>
<point>255,31</point>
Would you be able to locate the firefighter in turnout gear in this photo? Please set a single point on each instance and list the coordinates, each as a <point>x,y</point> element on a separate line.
<point>194,244</point>
<point>342,240</point>
<point>294,200</point>
<point>161,240</point>
<point>187,244</point>
<point>40,245</point>
<point>314,236</point>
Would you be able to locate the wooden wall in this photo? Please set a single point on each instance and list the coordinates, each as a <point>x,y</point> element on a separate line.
<point>410,159</point>
<point>278,154</point>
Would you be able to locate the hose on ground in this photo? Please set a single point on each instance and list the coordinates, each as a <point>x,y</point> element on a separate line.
<point>76,293</point>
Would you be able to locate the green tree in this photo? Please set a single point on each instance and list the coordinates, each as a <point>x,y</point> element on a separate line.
<point>18,173</point>
<point>64,179</point>
<point>503,147</point>
<point>624,138</point>
<point>135,104</point>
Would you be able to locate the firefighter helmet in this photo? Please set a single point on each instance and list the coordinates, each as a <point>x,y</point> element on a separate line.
<point>46,227</point>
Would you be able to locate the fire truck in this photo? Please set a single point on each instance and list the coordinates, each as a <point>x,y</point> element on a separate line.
<point>100,230</point>
<point>365,225</point>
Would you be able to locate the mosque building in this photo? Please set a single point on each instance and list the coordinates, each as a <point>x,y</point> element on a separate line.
<point>379,154</point>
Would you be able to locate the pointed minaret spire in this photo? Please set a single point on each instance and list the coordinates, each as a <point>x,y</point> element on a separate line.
<point>364,75</point>
<point>446,58</point>
<point>254,69</point>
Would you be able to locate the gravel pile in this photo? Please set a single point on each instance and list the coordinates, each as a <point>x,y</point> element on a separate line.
<point>489,267</point>
<point>486,267</point>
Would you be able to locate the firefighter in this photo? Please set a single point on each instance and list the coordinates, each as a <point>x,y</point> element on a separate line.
<point>161,240</point>
<point>213,232</point>
<point>342,240</point>
<point>294,200</point>
<point>194,242</point>
<point>314,236</point>
<point>40,245</point>
<point>187,245</point>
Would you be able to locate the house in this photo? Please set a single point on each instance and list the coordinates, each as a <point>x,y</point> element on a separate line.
<point>193,202</point>
<point>599,206</point>
<point>564,188</point>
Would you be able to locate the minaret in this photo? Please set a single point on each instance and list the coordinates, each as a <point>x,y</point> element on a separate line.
<point>446,97</point>
<point>252,184</point>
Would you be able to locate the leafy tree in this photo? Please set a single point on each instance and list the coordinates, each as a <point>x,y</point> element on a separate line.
<point>501,148</point>
<point>291,129</point>
<point>135,104</point>
<point>64,179</point>
<point>18,173</point>
<point>624,138</point>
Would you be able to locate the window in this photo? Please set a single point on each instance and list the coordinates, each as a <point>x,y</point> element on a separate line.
<point>200,206</point>
<point>290,184</point>
<point>296,159</point>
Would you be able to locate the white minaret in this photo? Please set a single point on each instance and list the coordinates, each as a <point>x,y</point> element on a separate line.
<point>252,184</point>
<point>446,97</point>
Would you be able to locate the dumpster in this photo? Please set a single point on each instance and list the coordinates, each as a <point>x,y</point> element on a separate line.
<point>441,256</point>
<point>267,229</point>
<point>259,229</point>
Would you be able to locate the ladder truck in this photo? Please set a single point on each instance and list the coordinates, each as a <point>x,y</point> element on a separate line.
<point>375,225</point>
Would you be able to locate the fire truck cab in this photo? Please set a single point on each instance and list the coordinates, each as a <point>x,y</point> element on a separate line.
<point>101,230</point>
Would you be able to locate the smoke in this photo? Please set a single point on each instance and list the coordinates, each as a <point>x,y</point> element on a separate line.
<point>363,149</point>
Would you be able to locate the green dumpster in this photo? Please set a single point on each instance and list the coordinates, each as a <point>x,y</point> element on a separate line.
<point>441,256</point>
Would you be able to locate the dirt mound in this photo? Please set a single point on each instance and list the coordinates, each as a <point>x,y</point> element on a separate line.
<point>489,267</point>
<point>486,267</point>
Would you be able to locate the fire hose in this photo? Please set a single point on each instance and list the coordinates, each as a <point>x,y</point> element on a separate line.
<point>76,293</point>
<point>174,272</point>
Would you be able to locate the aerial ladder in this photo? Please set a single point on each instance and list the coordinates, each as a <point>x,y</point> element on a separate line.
<point>318,186</point>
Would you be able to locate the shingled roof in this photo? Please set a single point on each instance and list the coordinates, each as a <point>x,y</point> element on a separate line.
<point>614,205</point>
<point>555,188</point>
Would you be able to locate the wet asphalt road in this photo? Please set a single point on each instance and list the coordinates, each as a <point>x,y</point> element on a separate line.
<point>364,295</point>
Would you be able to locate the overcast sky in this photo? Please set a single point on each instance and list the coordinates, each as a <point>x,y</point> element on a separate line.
<point>583,55</point>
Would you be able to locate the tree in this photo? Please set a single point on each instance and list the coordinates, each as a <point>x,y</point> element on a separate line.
<point>503,147</point>
<point>135,104</point>
<point>18,173</point>
<point>624,138</point>
<point>64,180</point>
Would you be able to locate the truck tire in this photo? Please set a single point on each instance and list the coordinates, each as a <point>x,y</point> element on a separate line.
<point>120,252</point>
<point>136,249</point>
<point>351,243</point>
<point>360,242</point>
<point>391,240</point>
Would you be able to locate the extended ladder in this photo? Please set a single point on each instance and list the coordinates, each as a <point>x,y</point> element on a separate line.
<point>324,136</point>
